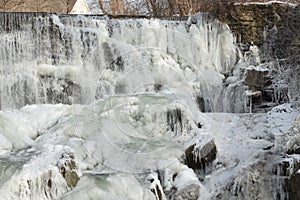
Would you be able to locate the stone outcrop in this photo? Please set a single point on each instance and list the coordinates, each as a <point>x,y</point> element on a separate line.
<point>273,27</point>
<point>249,21</point>
<point>256,78</point>
<point>288,169</point>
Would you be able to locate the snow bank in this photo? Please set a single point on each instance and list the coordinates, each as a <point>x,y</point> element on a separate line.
<point>267,3</point>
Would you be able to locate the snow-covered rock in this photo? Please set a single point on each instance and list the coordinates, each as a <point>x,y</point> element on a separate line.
<point>201,153</point>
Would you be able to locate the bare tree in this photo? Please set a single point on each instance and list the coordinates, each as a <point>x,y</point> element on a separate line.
<point>101,4</point>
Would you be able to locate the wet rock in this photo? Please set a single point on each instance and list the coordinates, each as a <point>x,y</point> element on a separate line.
<point>250,21</point>
<point>256,78</point>
<point>289,172</point>
<point>201,103</point>
<point>68,168</point>
<point>294,193</point>
<point>200,154</point>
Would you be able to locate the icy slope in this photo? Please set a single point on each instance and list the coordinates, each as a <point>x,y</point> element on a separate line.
<point>108,148</point>
<point>119,139</point>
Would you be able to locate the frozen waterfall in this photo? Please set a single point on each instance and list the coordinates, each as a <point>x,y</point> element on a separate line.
<point>95,107</point>
<point>48,58</point>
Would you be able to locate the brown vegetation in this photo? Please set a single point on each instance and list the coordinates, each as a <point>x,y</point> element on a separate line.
<point>169,7</point>
<point>128,7</point>
<point>58,6</point>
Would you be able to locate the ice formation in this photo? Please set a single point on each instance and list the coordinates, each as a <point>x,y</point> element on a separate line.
<point>92,57</point>
<point>133,128</point>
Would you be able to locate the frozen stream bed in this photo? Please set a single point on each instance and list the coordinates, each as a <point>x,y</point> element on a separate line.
<point>134,147</point>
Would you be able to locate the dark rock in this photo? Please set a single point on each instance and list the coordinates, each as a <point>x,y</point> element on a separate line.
<point>250,21</point>
<point>287,171</point>
<point>201,103</point>
<point>174,120</point>
<point>198,157</point>
<point>294,192</point>
<point>256,78</point>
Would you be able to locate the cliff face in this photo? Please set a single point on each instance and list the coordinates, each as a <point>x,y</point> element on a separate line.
<point>249,21</point>
<point>57,6</point>
<point>275,30</point>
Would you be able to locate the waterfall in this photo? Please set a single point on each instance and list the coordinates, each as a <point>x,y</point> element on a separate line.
<point>49,58</point>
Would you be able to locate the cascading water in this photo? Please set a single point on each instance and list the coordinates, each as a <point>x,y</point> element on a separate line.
<point>47,58</point>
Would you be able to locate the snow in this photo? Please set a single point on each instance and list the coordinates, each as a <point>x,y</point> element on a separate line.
<point>80,7</point>
<point>240,140</point>
<point>282,108</point>
<point>107,139</point>
<point>257,68</point>
<point>253,93</point>
<point>267,3</point>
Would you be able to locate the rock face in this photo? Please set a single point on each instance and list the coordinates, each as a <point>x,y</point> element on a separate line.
<point>250,20</point>
<point>57,6</point>
<point>288,170</point>
<point>256,78</point>
<point>274,29</point>
<point>294,192</point>
<point>59,90</point>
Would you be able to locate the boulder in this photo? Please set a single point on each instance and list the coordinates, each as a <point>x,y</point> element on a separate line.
<point>200,154</point>
<point>256,77</point>
<point>190,192</point>
<point>68,168</point>
<point>185,184</point>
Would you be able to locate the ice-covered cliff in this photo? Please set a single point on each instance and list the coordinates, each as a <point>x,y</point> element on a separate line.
<point>76,59</point>
<point>135,126</point>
